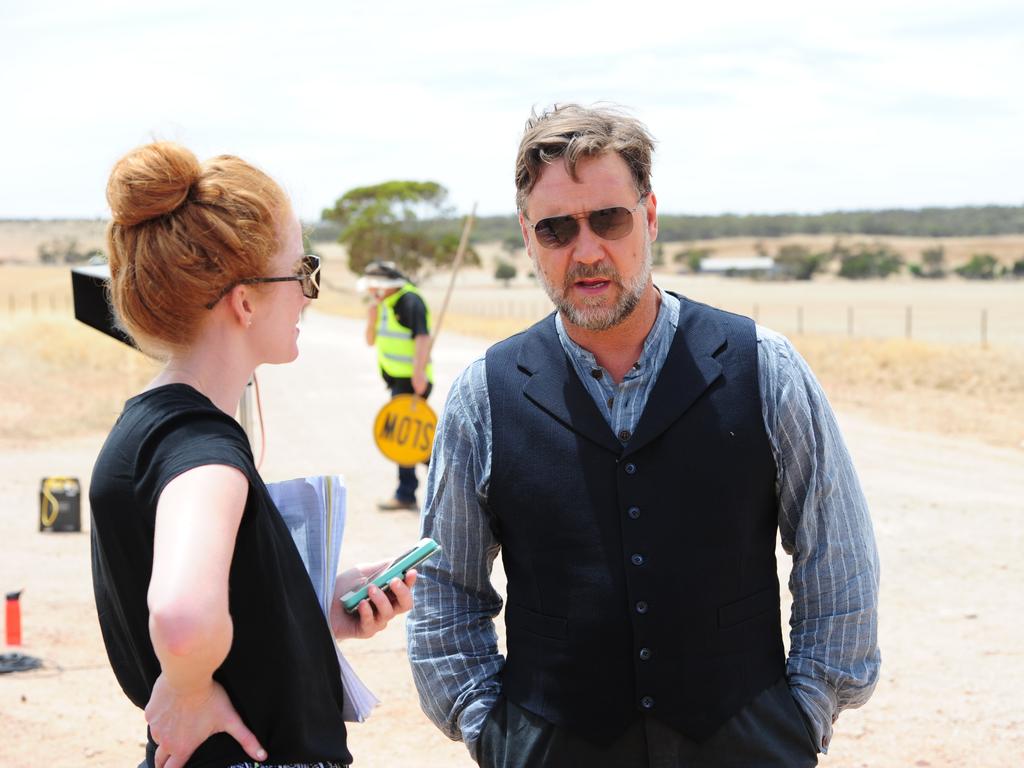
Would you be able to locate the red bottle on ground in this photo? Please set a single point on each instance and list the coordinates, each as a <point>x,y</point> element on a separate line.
<point>13,617</point>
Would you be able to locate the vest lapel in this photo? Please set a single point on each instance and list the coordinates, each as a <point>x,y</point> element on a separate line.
<point>555,388</point>
<point>689,369</point>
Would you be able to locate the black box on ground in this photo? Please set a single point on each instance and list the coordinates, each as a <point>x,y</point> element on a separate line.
<point>60,504</point>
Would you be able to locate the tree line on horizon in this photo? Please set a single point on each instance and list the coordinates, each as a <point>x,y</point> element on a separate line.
<point>963,221</point>
<point>411,224</point>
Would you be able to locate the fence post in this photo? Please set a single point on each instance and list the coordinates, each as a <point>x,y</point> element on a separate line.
<point>799,321</point>
<point>849,322</point>
<point>35,302</point>
<point>10,302</point>
<point>909,321</point>
<point>984,329</point>
<point>757,312</point>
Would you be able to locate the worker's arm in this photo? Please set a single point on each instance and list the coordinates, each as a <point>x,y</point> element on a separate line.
<point>420,360</point>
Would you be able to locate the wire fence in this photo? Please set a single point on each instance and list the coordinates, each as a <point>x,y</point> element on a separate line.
<point>36,302</point>
<point>980,325</point>
<point>961,325</point>
<point>976,325</point>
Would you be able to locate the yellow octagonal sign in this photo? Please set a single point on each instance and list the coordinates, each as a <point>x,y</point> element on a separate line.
<point>404,430</point>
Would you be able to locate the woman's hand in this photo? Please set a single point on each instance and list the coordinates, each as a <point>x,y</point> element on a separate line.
<point>180,721</point>
<point>373,613</point>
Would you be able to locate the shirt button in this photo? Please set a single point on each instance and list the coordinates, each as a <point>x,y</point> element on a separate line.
<point>645,654</point>
<point>630,468</point>
<point>596,373</point>
<point>647,702</point>
<point>624,435</point>
<point>641,606</point>
<point>637,559</point>
<point>633,512</point>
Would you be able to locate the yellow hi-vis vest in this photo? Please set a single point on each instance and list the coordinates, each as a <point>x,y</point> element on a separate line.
<point>395,343</point>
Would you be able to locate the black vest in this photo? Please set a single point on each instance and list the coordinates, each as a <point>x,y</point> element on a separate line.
<point>641,578</point>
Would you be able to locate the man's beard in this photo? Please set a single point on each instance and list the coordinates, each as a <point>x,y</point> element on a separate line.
<point>593,312</point>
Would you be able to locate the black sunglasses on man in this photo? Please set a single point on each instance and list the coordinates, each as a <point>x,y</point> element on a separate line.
<point>607,223</point>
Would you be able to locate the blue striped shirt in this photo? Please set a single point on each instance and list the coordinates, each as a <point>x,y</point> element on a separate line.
<point>823,521</point>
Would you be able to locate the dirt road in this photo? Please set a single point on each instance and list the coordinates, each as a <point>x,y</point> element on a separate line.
<point>948,514</point>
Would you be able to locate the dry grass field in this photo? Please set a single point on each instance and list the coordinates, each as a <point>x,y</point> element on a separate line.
<point>948,388</point>
<point>20,239</point>
<point>935,422</point>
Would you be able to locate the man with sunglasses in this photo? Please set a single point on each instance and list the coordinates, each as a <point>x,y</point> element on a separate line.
<point>398,324</point>
<point>632,457</point>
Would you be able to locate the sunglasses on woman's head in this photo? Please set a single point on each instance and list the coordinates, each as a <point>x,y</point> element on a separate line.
<point>607,223</point>
<point>308,276</point>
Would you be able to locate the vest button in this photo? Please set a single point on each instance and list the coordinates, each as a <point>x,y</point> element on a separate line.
<point>630,468</point>
<point>624,435</point>
<point>645,654</point>
<point>637,559</point>
<point>647,702</point>
<point>641,606</point>
<point>633,512</point>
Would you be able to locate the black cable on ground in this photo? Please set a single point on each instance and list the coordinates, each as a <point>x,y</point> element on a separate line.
<point>18,662</point>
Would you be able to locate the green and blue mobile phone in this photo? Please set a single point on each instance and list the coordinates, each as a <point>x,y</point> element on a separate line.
<point>397,568</point>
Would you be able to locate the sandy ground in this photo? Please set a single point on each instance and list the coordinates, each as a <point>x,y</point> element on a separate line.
<point>948,514</point>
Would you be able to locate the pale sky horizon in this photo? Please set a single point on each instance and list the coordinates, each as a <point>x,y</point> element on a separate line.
<point>793,106</point>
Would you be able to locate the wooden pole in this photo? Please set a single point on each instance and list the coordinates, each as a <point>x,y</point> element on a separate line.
<point>459,254</point>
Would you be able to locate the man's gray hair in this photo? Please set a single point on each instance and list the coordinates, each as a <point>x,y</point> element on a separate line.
<point>571,132</point>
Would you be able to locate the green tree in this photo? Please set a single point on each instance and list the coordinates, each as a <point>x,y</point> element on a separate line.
<point>933,263</point>
<point>512,244</point>
<point>407,222</point>
<point>65,249</point>
<point>866,260</point>
<point>658,255</point>
<point>982,266</point>
<point>797,261</point>
<point>692,257</point>
<point>505,272</point>
<point>446,245</point>
<point>1018,268</point>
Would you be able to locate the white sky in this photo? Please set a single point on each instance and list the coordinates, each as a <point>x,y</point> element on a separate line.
<point>757,106</point>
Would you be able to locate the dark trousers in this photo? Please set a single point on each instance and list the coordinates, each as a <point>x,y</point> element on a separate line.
<point>770,732</point>
<point>407,482</point>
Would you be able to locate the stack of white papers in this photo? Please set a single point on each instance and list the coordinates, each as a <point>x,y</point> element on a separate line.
<point>313,508</point>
